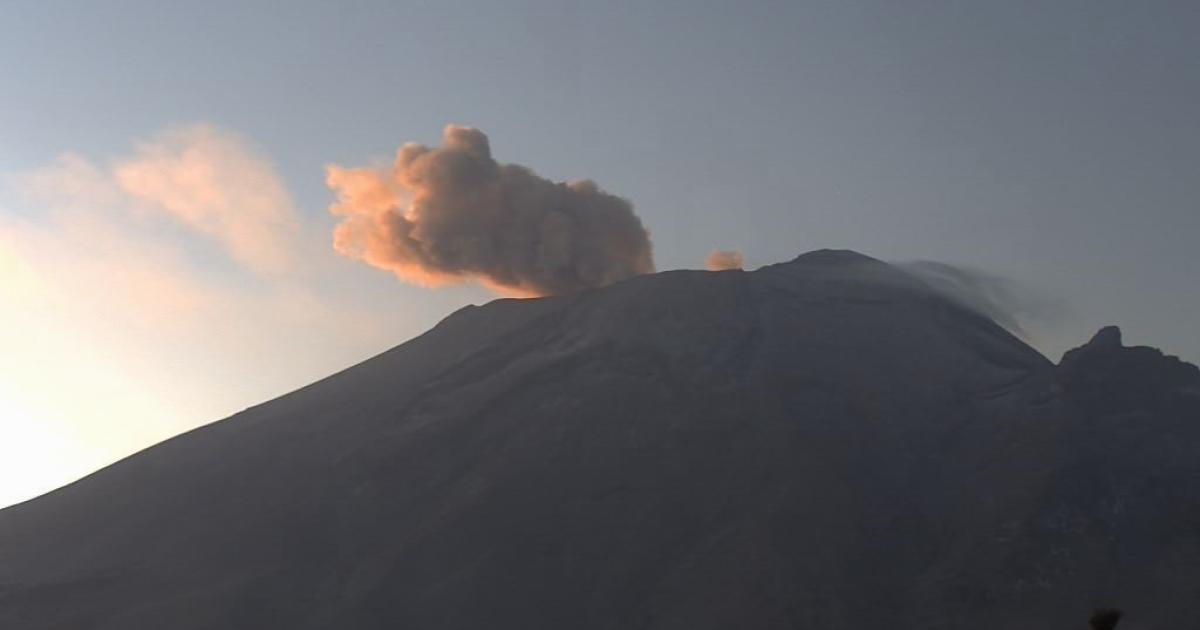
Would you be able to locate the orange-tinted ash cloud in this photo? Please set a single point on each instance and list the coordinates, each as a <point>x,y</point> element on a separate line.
<point>453,213</point>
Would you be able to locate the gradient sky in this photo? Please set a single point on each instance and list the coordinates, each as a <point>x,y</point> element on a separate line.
<point>1056,144</point>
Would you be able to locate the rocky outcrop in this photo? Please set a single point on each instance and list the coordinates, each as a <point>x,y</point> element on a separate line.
<point>1106,377</point>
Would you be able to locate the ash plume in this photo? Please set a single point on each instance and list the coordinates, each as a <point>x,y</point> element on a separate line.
<point>452,213</point>
<point>724,260</point>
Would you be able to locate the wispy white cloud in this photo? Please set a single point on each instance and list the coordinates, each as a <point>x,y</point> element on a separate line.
<point>209,181</point>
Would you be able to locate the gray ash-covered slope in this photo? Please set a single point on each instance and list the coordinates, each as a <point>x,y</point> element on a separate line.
<point>825,443</point>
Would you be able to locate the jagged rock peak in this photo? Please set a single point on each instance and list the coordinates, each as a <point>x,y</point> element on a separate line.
<point>1107,337</point>
<point>1106,375</point>
<point>1105,342</point>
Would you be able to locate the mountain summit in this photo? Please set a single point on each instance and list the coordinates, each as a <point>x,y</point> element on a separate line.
<point>825,443</point>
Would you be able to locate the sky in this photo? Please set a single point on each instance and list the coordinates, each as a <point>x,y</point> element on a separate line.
<point>166,256</point>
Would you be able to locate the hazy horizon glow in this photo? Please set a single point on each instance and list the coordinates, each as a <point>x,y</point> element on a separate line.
<point>166,251</point>
<point>153,292</point>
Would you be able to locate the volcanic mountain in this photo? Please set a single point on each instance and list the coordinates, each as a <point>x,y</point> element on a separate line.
<point>826,443</point>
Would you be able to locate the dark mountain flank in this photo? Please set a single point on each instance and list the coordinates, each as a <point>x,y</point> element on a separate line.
<point>826,443</point>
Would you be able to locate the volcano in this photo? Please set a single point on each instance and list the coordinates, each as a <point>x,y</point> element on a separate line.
<point>827,443</point>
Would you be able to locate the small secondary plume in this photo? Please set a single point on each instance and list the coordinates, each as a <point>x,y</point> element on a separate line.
<point>724,260</point>
<point>452,213</point>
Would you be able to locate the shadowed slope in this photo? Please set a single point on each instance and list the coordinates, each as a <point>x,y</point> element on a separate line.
<point>823,443</point>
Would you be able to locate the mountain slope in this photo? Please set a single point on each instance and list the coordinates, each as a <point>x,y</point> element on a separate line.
<point>825,443</point>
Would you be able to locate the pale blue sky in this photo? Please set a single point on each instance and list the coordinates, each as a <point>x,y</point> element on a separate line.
<point>1055,143</point>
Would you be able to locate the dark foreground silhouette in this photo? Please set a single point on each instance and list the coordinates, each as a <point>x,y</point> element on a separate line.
<point>1105,619</point>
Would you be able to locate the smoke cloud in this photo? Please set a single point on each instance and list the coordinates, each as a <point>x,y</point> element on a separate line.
<point>452,213</point>
<point>724,260</point>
